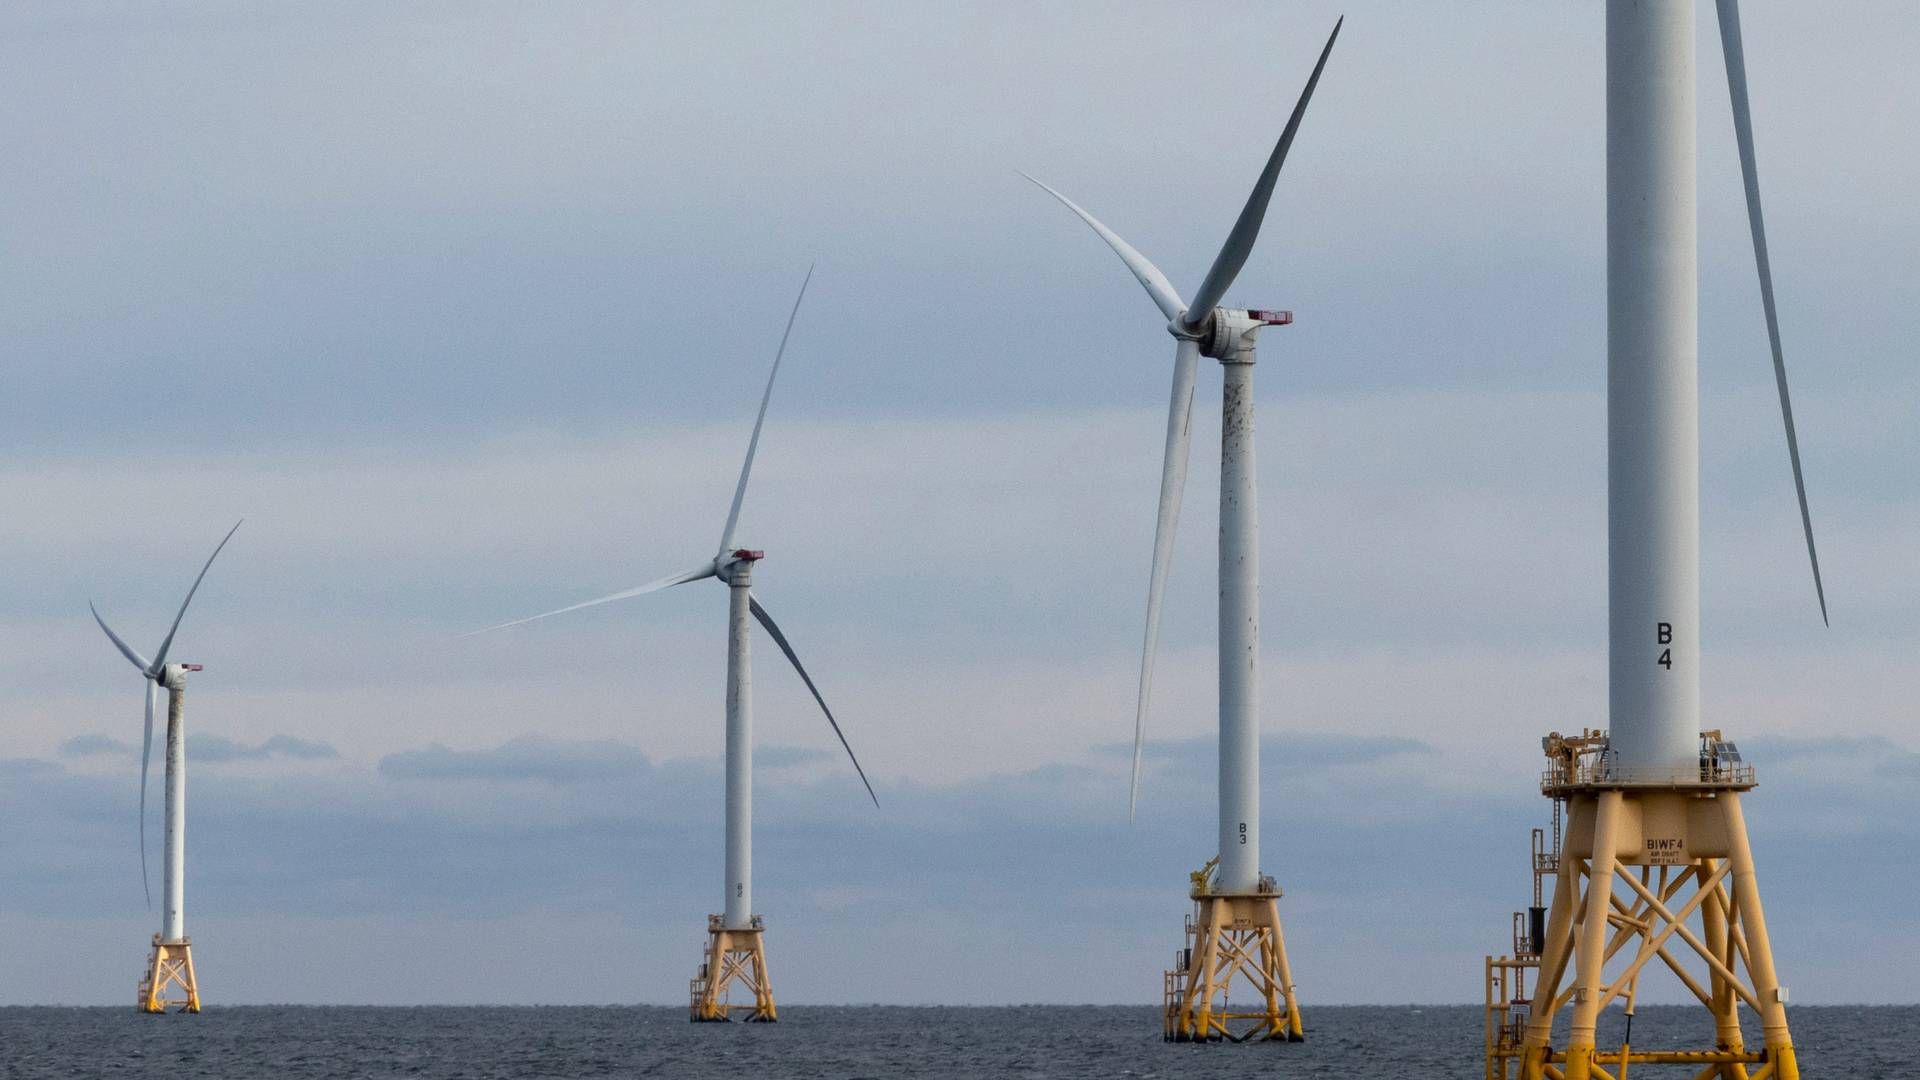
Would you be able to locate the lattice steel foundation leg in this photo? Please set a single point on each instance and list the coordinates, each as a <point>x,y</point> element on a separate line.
<point>1590,952</point>
<point>1766,984</point>
<point>1565,909</point>
<point>1295,1032</point>
<point>1726,1018</point>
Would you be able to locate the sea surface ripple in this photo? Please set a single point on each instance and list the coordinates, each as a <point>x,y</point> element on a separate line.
<point>880,1042</point>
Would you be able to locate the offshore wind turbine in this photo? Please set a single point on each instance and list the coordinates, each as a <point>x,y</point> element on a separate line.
<point>170,964</point>
<point>735,948</point>
<point>1656,838</point>
<point>1236,923</point>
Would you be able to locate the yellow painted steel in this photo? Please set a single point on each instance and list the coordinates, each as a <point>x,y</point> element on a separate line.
<point>1658,872</point>
<point>1229,937</point>
<point>1506,1007</point>
<point>169,967</point>
<point>732,956</point>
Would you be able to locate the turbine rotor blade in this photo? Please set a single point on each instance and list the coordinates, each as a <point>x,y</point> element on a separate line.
<point>160,658</point>
<point>1731,46</point>
<point>1173,482</point>
<point>126,650</point>
<point>146,766</point>
<point>1233,254</point>
<point>1156,283</point>
<point>706,570</point>
<point>780,639</point>
<point>753,444</point>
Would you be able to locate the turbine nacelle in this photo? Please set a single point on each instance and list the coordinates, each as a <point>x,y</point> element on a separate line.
<point>174,676</point>
<point>1227,332</point>
<point>724,564</point>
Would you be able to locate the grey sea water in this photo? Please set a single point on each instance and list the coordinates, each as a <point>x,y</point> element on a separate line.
<point>878,1042</point>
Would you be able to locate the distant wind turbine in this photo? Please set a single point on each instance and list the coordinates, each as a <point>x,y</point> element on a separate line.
<point>735,949</point>
<point>1204,328</point>
<point>171,962</point>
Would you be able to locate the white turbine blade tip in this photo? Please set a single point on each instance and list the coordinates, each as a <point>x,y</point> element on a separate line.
<point>681,578</point>
<point>1173,480</point>
<point>1164,295</point>
<point>1246,229</point>
<point>1734,52</point>
<point>133,655</point>
<point>766,396</point>
<point>146,765</point>
<point>780,639</point>
<point>166,645</point>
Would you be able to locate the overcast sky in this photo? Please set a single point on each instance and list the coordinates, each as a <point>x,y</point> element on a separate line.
<point>466,309</point>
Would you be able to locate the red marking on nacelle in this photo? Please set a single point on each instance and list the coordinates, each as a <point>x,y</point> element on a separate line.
<point>749,556</point>
<point>192,667</point>
<point>1272,318</point>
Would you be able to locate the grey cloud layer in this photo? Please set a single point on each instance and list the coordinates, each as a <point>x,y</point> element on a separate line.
<point>207,749</point>
<point>530,757</point>
<point>1365,830</point>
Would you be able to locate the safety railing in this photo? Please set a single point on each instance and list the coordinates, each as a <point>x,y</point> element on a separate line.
<point>1602,772</point>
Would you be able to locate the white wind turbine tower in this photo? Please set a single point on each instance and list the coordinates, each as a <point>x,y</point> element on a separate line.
<point>170,964</point>
<point>735,949</point>
<point>1655,830</point>
<point>1236,926</point>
